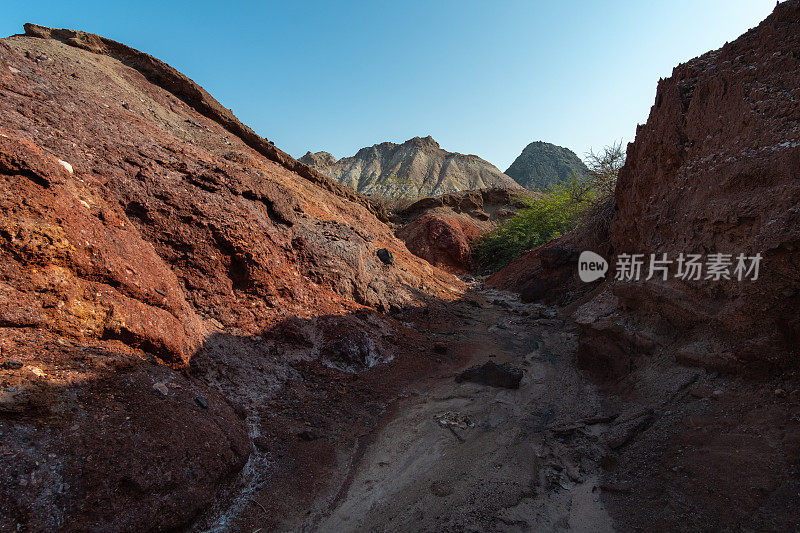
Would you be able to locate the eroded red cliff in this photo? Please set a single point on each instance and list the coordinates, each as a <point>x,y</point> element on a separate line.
<point>714,170</point>
<point>140,225</point>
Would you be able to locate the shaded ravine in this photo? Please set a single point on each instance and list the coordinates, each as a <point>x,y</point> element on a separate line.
<point>529,458</point>
<point>518,465</point>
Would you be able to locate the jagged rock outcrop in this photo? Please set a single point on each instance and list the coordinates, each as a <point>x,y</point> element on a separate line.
<point>714,170</point>
<point>144,233</point>
<point>441,229</point>
<point>417,167</point>
<point>542,164</point>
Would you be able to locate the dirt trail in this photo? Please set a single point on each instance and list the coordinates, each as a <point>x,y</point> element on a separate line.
<point>403,447</point>
<point>463,456</point>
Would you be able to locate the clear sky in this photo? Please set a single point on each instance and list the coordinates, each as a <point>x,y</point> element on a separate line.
<point>481,77</point>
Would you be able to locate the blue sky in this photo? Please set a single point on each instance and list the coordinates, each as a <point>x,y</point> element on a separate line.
<point>484,78</point>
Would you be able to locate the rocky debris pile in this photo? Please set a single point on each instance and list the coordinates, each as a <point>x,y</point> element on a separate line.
<point>714,170</point>
<point>145,232</point>
<point>417,167</point>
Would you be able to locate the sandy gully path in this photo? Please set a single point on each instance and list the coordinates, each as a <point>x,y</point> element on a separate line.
<point>518,461</point>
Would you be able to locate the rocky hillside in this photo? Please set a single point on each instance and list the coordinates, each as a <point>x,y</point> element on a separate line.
<point>163,272</point>
<point>714,170</point>
<point>711,360</point>
<point>417,167</point>
<point>541,164</point>
<point>200,333</point>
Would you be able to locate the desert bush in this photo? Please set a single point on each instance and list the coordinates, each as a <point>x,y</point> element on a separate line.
<point>604,168</point>
<point>538,222</point>
<point>578,201</point>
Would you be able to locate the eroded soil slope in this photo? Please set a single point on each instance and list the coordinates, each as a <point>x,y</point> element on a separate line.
<point>141,227</point>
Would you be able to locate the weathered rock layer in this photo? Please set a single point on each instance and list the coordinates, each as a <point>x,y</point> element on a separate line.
<point>140,225</point>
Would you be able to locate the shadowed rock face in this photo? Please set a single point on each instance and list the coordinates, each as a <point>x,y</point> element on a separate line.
<point>417,167</point>
<point>139,219</point>
<point>542,164</point>
<point>715,169</point>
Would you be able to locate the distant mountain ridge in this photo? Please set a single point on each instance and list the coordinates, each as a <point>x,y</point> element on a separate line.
<point>417,167</point>
<point>541,164</point>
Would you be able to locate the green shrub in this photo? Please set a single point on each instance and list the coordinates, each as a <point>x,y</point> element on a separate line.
<point>541,220</point>
<point>579,201</point>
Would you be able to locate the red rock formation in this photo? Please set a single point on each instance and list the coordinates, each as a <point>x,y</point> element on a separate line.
<point>715,169</point>
<point>442,241</point>
<point>141,224</point>
<point>440,229</point>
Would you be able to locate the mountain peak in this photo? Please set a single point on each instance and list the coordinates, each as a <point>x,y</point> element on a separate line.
<point>417,167</point>
<point>542,164</point>
<point>427,142</point>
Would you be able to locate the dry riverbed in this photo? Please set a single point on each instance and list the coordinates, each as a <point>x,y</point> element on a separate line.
<point>466,456</point>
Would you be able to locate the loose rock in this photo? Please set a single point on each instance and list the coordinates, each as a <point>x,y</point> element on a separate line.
<point>386,256</point>
<point>492,374</point>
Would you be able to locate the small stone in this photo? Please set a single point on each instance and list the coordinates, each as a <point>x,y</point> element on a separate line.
<point>161,387</point>
<point>261,443</point>
<point>780,393</point>
<point>718,392</point>
<point>385,256</point>
<point>201,402</point>
<point>66,165</point>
